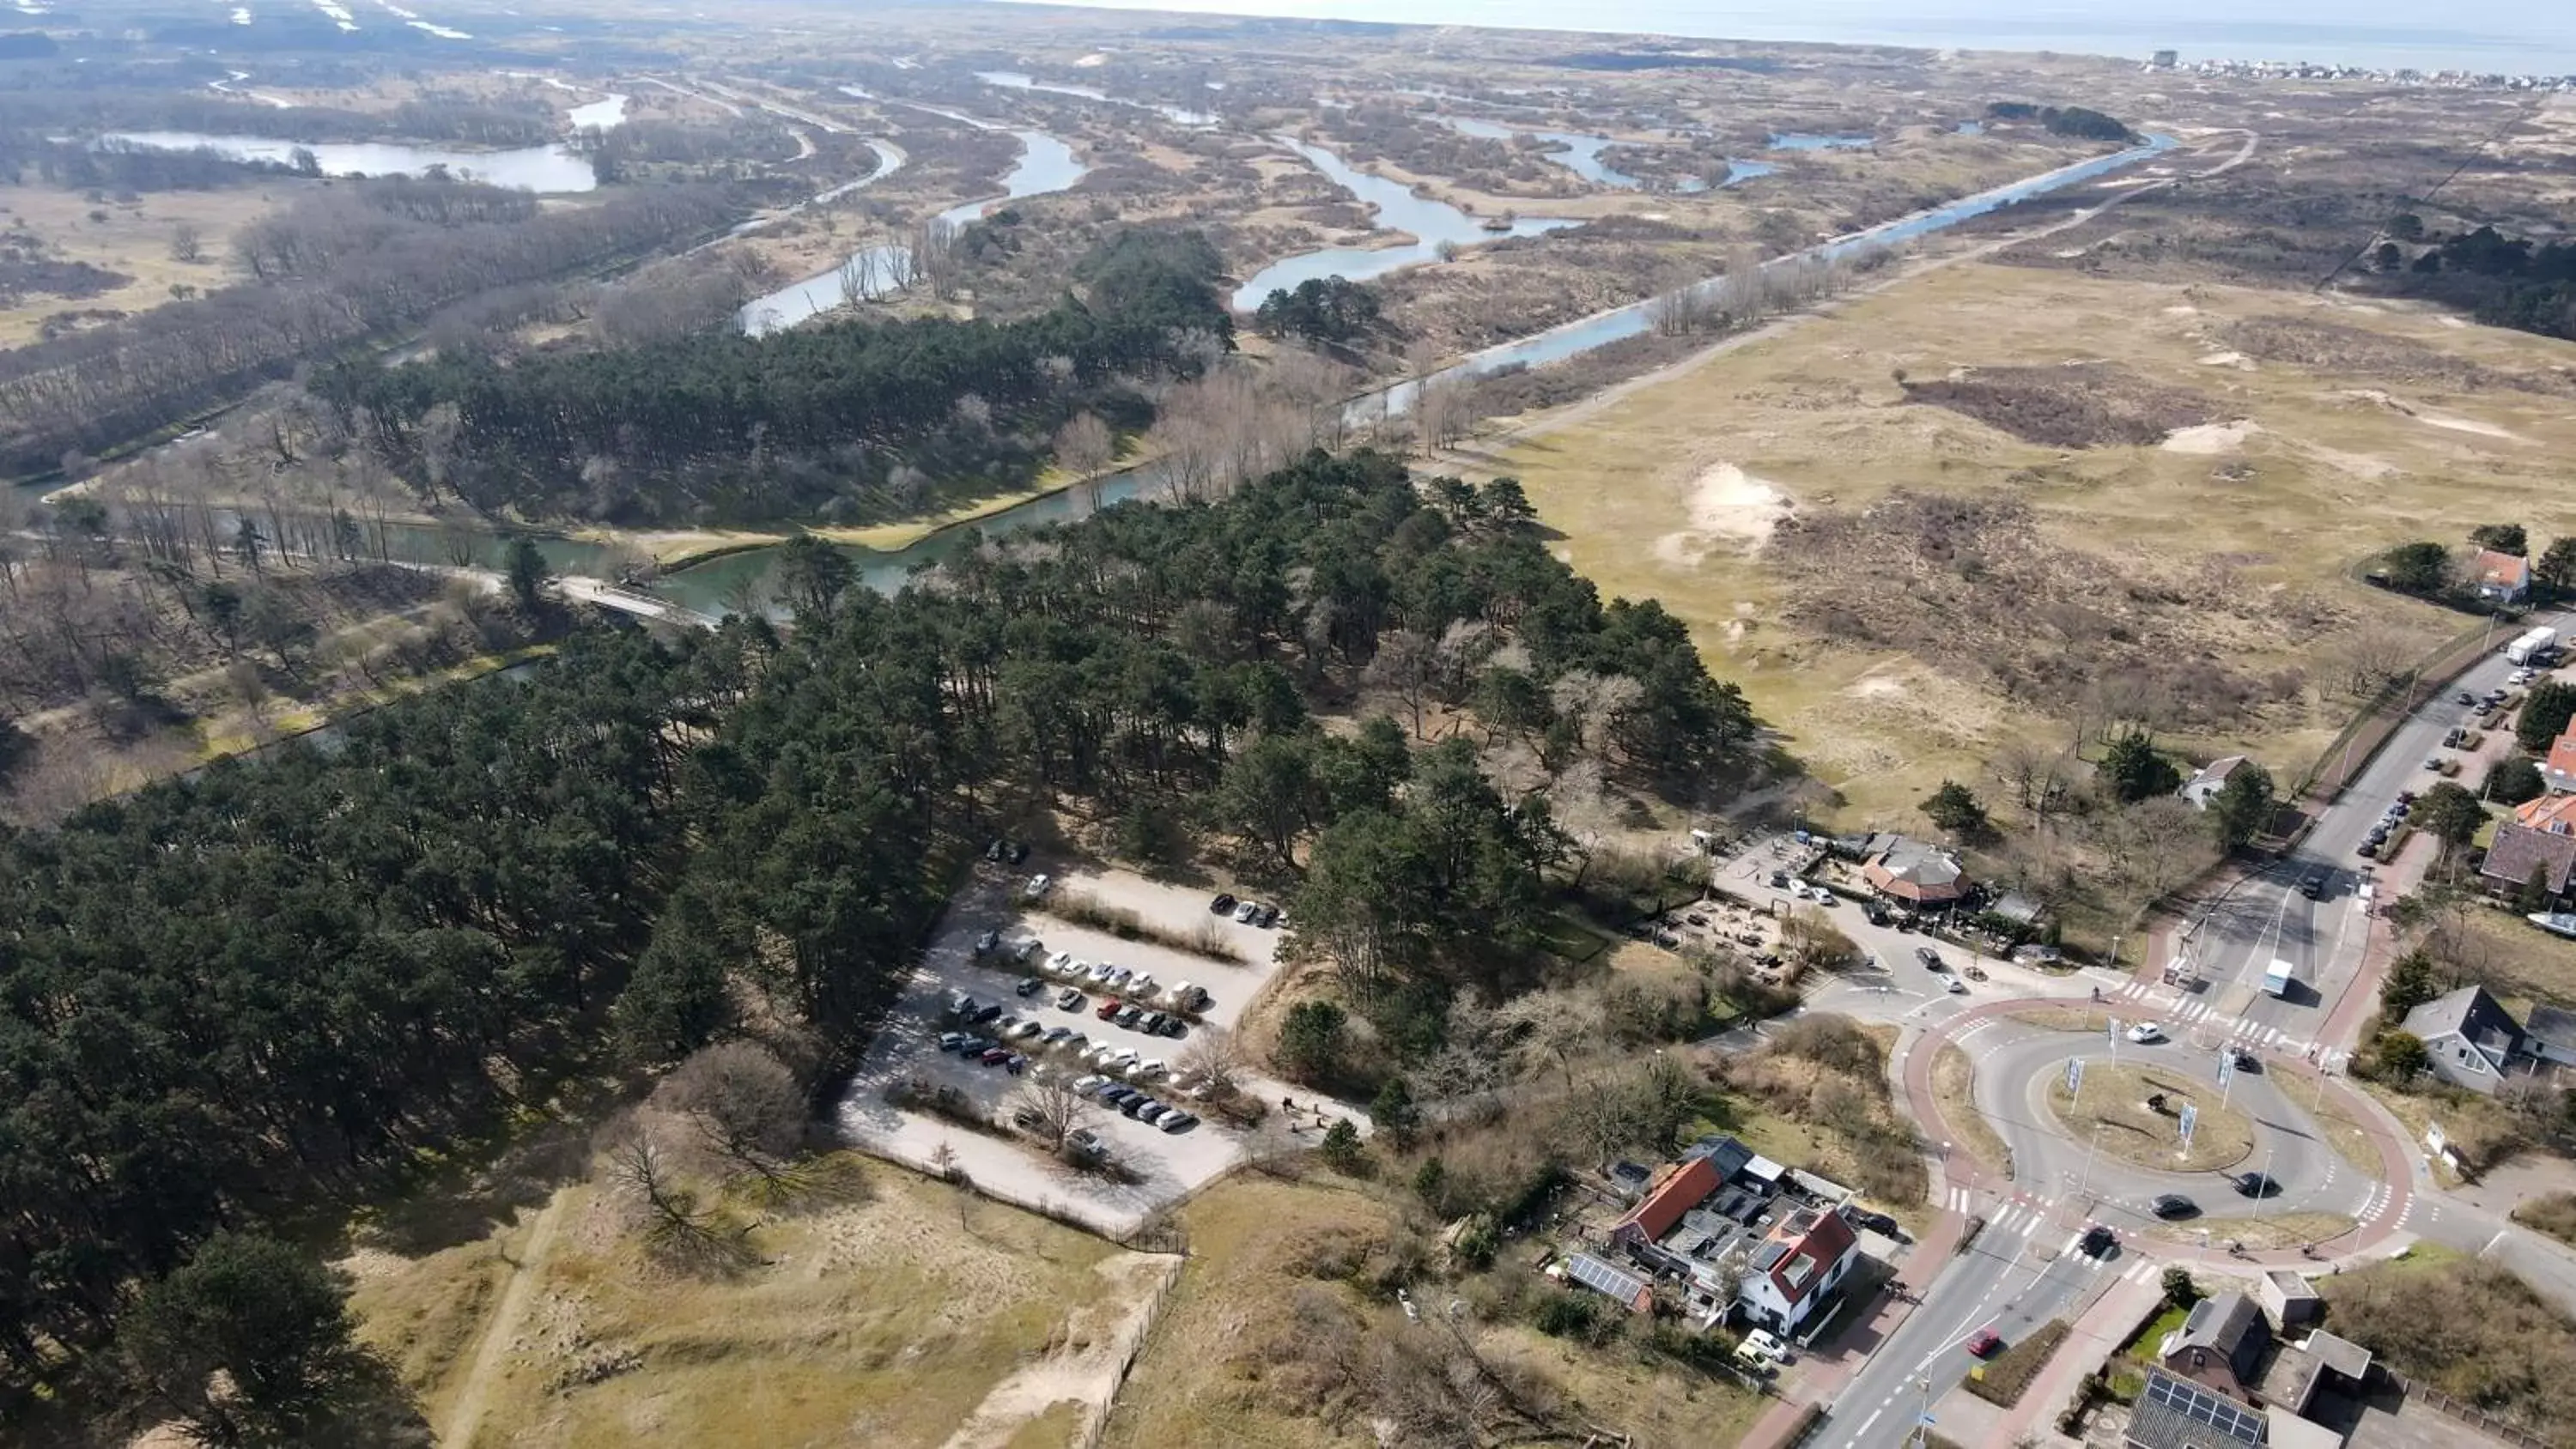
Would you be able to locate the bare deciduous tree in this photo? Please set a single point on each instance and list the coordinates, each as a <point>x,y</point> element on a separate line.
<point>1054,1110</point>
<point>741,1106</point>
<point>187,242</point>
<point>1213,1057</point>
<point>678,1225</point>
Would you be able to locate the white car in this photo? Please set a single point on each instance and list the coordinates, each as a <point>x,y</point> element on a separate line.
<point>1037,886</point>
<point>1099,973</point>
<point>1062,963</point>
<point>1957,987</point>
<point>1152,1067</point>
<point>1760,1343</point>
<point>2145,1032</point>
<point>1119,976</point>
<point>1141,985</point>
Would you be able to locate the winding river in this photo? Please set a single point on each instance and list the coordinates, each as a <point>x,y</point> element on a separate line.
<point>1432,222</point>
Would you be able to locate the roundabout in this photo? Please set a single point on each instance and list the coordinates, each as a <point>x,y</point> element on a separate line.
<point>2113,1153</point>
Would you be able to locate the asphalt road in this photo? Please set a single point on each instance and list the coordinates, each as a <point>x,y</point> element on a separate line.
<point>2017,1063</point>
<point>2005,1282</point>
<point>2265,916</point>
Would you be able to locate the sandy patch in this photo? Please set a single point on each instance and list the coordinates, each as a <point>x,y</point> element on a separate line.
<point>1727,506</point>
<point>2449,422</point>
<point>2182,309</point>
<point>2453,322</point>
<point>2237,360</point>
<point>2210,438</point>
<point>2360,465</point>
<point>1084,1369</point>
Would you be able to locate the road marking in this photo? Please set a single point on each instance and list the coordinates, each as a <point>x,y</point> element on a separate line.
<point>1865,1423</point>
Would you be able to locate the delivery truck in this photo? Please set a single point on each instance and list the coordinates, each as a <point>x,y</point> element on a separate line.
<point>2276,980</point>
<point>2532,648</point>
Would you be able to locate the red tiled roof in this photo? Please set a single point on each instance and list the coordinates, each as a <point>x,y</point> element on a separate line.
<point>2562,754</point>
<point>1687,1188</point>
<point>2501,570</point>
<point>1811,1255</point>
<point>2555,814</point>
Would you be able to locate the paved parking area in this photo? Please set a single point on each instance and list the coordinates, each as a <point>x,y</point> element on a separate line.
<point>1015,1169</point>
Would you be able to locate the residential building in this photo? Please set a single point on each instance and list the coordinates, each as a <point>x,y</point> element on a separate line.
<point>2558,771</point>
<point>2221,1346</point>
<point>2204,786</point>
<point>1792,1272</point>
<point>2175,1413</point>
<point>2549,1035</point>
<point>2541,840</point>
<point>2501,578</point>
<point>1685,1187</point>
<point>1915,872</point>
<point>2471,1039</point>
<point>2295,1371</point>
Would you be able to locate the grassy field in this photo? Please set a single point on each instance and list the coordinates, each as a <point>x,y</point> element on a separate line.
<point>132,239</point>
<point>887,1321</point>
<point>1726,492</point>
<point>2111,1110</point>
<point>1277,1271</point>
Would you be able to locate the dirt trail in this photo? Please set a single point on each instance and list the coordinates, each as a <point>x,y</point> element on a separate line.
<point>1084,1372</point>
<point>1486,449</point>
<point>465,1412</point>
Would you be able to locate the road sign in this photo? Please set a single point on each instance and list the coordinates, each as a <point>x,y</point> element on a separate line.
<point>2111,1033</point>
<point>2226,1064</point>
<point>2074,1076</point>
<point>2190,1119</point>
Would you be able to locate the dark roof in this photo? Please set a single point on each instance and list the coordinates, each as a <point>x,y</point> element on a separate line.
<point>2552,1025</point>
<point>2517,848</point>
<point>2230,1326</point>
<point>2468,1013</point>
<point>2176,1414</point>
<point>1725,1154</point>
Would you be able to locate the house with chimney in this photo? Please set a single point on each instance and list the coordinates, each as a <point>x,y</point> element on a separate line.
<point>1791,1273</point>
<point>2537,844</point>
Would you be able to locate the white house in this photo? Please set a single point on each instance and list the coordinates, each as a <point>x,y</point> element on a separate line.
<point>1792,1272</point>
<point>2202,788</point>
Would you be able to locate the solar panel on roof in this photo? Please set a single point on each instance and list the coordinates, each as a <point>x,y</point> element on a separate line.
<point>1603,1277</point>
<point>2203,1407</point>
<point>1769,1255</point>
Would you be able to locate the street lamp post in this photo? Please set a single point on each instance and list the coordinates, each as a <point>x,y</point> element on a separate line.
<point>1923,1413</point>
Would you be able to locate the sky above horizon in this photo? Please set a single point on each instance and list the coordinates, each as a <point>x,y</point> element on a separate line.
<point>2485,35</point>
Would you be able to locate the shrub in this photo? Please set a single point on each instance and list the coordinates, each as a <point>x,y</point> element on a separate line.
<point>2009,1374</point>
<point>1082,908</point>
<point>2180,1291</point>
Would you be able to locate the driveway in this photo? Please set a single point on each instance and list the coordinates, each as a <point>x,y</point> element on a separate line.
<point>1014,1168</point>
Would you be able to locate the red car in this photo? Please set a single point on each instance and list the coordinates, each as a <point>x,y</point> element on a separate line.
<point>995,1056</point>
<point>1110,1008</point>
<point>1984,1343</point>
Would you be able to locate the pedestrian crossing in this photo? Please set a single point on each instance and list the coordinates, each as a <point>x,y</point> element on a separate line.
<point>2188,1015</point>
<point>2039,1220</point>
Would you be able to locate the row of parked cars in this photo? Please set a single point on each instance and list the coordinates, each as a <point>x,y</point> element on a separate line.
<point>1128,988</point>
<point>1137,1103</point>
<point>1250,913</point>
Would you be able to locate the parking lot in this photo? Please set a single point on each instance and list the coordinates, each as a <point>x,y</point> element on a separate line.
<point>1017,1168</point>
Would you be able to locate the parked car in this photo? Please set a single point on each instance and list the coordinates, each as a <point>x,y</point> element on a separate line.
<point>987,942</point>
<point>950,1041</point>
<point>2174,1205</point>
<point>1028,951</point>
<point>1083,1142</point>
<point>1984,1343</point>
<point>1068,1000</point>
<point>2313,885</point>
<point>1177,1122</point>
<point>1269,917</point>
<point>1143,984</point>
<point>994,1056</point>
<point>1019,851</point>
<point>1110,1008</point>
<point>987,1012</point>
<point>1136,1103</point>
<point>1151,1023</point>
<point>1930,958</point>
<point>1151,1113</point>
<point>1027,1029</point>
<point>1764,1345</point>
<point>1127,1015</point>
<point>1115,1094</point>
<point>1223,903</point>
<point>2465,697</point>
<point>1055,1036</point>
<point>1246,911</point>
<point>1062,964</point>
<point>1099,973</point>
<point>2368,850</point>
<point>1089,1086</point>
<point>2145,1032</point>
<point>1119,976</point>
<point>1037,886</point>
<point>1171,1026</point>
<point>1030,986</point>
<point>1014,1063</point>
